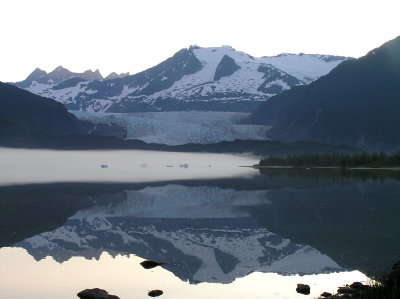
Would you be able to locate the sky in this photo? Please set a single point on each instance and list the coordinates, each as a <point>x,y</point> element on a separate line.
<point>131,36</point>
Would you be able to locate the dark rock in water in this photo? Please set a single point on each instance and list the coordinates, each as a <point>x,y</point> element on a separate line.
<point>95,294</point>
<point>357,285</point>
<point>346,290</point>
<point>303,289</point>
<point>326,295</point>
<point>155,293</point>
<point>150,264</point>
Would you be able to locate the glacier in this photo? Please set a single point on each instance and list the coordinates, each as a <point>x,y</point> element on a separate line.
<point>180,127</point>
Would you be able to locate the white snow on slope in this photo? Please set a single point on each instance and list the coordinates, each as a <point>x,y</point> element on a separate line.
<point>250,248</point>
<point>306,67</point>
<point>301,66</point>
<point>247,78</point>
<point>38,88</point>
<point>247,248</point>
<point>174,128</point>
<point>240,86</point>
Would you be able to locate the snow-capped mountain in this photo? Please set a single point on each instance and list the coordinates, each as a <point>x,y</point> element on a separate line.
<point>207,79</point>
<point>205,237</point>
<point>39,80</point>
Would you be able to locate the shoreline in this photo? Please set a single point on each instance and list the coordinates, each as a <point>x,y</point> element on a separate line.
<point>397,168</point>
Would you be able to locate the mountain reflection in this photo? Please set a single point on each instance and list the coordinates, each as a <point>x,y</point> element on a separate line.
<point>217,230</point>
<point>201,233</point>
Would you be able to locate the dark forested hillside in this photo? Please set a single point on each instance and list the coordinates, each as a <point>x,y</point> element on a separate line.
<point>30,120</point>
<point>357,103</point>
<point>36,113</point>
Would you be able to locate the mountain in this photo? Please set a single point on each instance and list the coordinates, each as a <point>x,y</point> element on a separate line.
<point>207,79</point>
<point>357,103</point>
<point>25,117</point>
<point>39,80</point>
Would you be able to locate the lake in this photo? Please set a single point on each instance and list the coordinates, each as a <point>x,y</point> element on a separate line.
<point>223,231</point>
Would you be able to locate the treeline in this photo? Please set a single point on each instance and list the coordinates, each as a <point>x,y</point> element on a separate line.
<point>334,160</point>
<point>331,174</point>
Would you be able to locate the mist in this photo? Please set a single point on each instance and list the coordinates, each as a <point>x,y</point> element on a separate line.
<point>23,166</point>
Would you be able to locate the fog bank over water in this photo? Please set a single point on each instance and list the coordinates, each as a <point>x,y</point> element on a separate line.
<point>25,166</point>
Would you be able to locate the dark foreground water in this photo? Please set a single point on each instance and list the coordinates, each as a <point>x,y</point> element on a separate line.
<point>245,234</point>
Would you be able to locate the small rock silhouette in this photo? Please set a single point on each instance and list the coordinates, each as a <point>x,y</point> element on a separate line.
<point>95,294</point>
<point>155,293</point>
<point>150,264</point>
<point>303,289</point>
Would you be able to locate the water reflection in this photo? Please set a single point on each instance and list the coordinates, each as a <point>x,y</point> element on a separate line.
<point>353,218</point>
<point>212,231</point>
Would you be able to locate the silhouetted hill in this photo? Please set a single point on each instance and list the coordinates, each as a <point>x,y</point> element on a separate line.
<point>357,103</point>
<point>36,113</point>
<point>27,119</point>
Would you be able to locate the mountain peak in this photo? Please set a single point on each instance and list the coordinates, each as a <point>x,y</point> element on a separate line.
<point>59,73</point>
<point>193,47</point>
<point>59,69</point>
<point>228,47</point>
<point>114,75</point>
<point>90,75</point>
<point>37,73</point>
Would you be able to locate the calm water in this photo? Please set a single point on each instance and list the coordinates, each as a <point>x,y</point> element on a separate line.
<point>224,231</point>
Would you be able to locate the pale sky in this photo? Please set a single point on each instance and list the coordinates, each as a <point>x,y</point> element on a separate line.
<point>129,35</point>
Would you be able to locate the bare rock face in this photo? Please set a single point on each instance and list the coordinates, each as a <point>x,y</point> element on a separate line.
<point>225,68</point>
<point>95,294</point>
<point>303,289</point>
